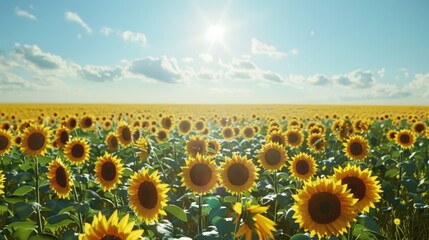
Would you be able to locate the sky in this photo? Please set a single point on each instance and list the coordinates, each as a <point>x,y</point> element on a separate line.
<point>215,52</point>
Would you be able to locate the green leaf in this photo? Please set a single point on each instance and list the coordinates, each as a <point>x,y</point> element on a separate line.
<point>43,160</point>
<point>410,184</point>
<point>43,236</point>
<point>21,230</point>
<point>391,173</point>
<point>58,218</point>
<point>21,191</point>
<point>213,202</point>
<point>369,223</point>
<point>14,199</point>
<point>24,210</point>
<point>300,237</point>
<point>225,227</point>
<point>177,212</point>
<point>230,199</point>
<point>127,172</point>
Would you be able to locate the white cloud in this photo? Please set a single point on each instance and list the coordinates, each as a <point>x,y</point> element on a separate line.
<point>206,57</point>
<point>272,77</point>
<point>162,69</point>
<point>420,84</point>
<point>354,79</point>
<point>208,74</point>
<point>100,73</point>
<point>106,31</point>
<point>24,14</point>
<point>74,17</point>
<point>381,72</point>
<point>136,37</point>
<point>244,69</point>
<point>318,79</point>
<point>263,48</point>
<point>221,91</point>
<point>34,55</point>
<point>294,52</point>
<point>187,59</point>
<point>406,72</point>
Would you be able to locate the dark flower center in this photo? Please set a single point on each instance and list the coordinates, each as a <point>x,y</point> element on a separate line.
<point>302,167</point>
<point>238,174</point>
<point>36,141</point>
<point>3,142</point>
<point>356,186</point>
<point>201,174</point>
<point>324,207</point>
<point>61,177</point>
<point>77,151</point>
<point>356,148</point>
<point>273,157</point>
<point>108,171</point>
<point>148,195</point>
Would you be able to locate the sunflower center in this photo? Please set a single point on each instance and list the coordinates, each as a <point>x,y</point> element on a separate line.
<point>110,237</point>
<point>199,125</point>
<point>162,135</point>
<point>167,123</point>
<point>77,151</point>
<point>64,137</point>
<point>36,141</point>
<point>126,134</point>
<point>87,122</point>
<point>72,123</point>
<point>324,207</point>
<point>61,177</point>
<point>248,132</point>
<point>404,138</point>
<point>356,186</point>
<point>108,171</point>
<point>419,128</point>
<point>238,174</point>
<point>302,167</point>
<point>392,135</point>
<point>277,139</point>
<point>227,133</point>
<point>3,142</point>
<point>114,142</point>
<point>148,195</point>
<point>273,156</point>
<point>185,126</point>
<point>136,135</point>
<point>356,149</point>
<point>201,174</point>
<point>292,138</point>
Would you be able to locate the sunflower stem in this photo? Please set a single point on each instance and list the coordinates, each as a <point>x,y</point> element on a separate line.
<point>160,165</point>
<point>400,174</point>
<point>78,213</point>
<point>200,209</point>
<point>39,216</point>
<point>238,220</point>
<point>276,192</point>
<point>350,233</point>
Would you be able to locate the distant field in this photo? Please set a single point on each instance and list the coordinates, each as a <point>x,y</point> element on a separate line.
<point>214,171</point>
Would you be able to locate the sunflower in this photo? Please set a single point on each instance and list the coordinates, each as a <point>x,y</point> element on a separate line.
<point>144,148</point>
<point>200,125</point>
<point>107,125</point>
<point>35,140</point>
<point>294,138</point>
<point>196,145</point>
<point>213,147</point>
<point>302,166</point>
<point>108,171</point>
<point>112,142</point>
<point>77,151</point>
<point>17,140</point>
<point>5,141</point>
<point>238,174</point>
<point>147,195</point>
<point>324,207</point>
<point>391,134</point>
<point>419,128</point>
<point>277,137</point>
<point>248,132</point>
<point>2,180</point>
<point>199,174</point>
<point>405,139</point>
<point>71,123</point>
<point>124,134</point>
<point>136,134</point>
<point>167,123</point>
<point>59,178</point>
<point>272,156</point>
<point>253,221</point>
<point>356,147</point>
<point>110,229</point>
<point>227,132</point>
<point>86,123</point>
<point>161,135</point>
<point>316,142</point>
<point>62,136</point>
<point>184,127</point>
<point>364,187</point>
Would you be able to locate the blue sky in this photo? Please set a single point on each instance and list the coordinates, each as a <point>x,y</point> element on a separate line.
<point>293,52</point>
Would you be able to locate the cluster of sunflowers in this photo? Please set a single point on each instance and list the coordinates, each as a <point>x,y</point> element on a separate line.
<point>247,164</point>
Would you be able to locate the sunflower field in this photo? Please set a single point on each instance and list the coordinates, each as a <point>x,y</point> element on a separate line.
<point>214,172</point>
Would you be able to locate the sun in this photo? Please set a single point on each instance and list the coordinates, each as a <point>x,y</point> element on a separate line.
<point>215,33</point>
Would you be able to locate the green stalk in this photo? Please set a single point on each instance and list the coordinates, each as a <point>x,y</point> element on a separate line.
<point>400,174</point>
<point>276,192</point>
<point>39,216</point>
<point>200,209</point>
<point>238,220</point>
<point>78,213</point>
<point>160,165</point>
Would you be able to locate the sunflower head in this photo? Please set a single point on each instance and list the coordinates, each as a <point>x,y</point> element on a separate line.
<point>112,142</point>
<point>71,123</point>
<point>227,132</point>
<point>277,137</point>
<point>161,136</point>
<point>144,149</point>
<point>124,134</point>
<point>419,127</point>
<point>238,174</point>
<point>113,228</point>
<point>356,147</point>
<point>302,166</point>
<point>405,139</point>
<point>391,134</point>
<point>272,156</point>
<point>324,207</point>
<point>86,123</point>
<point>147,195</point>
<point>200,125</point>
<point>316,142</point>
<point>77,151</point>
<point>35,140</point>
<point>213,147</point>
<point>251,220</point>
<point>2,180</point>
<point>200,174</point>
<point>5,141</point>
<point>294,137</point>
<point>108,171</point>
<point>62,136</point>
<point>184,127</point>
<point>248,132</point>
<point>362,185</point>
<point>59,178</point>
<point>196,145</point>
<point>167,123</point>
